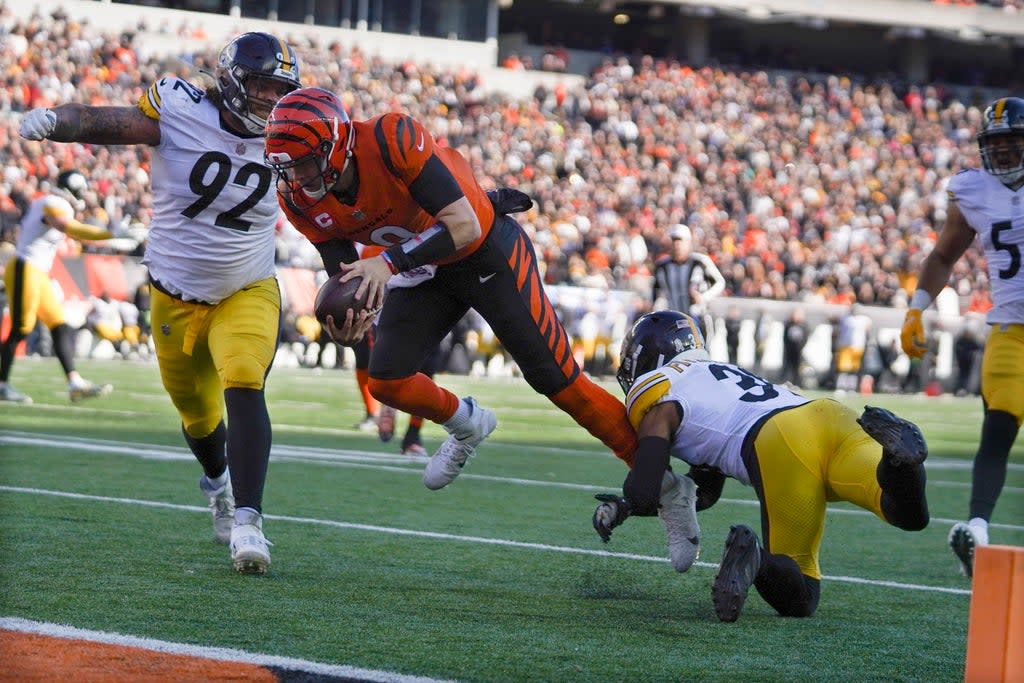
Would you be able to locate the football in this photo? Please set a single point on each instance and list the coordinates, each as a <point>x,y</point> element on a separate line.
<point>335,298</point>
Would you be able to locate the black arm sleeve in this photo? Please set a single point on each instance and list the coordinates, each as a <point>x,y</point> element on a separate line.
<point>336,251</point>
<point>709,485</point>
<point>643,483</point>
<point>435,187</point>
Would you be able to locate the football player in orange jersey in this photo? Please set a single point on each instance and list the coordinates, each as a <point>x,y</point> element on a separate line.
<point>378,415</point>
<point>385,182</point>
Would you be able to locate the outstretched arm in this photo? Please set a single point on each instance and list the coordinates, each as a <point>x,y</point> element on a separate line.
<point>95,125</point>
<point>954,239</point>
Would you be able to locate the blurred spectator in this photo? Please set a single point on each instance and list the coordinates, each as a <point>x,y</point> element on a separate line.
<point>733,323</point>
<point>794,338</point>
<point>104,319</point>
<point>967,348</point>
<point>854,329</point>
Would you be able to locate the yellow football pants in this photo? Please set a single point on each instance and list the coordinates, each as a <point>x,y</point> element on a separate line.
<point>203,350</point>
<point>808,456</point>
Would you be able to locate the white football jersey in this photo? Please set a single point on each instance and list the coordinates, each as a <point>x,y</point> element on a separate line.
<point>214,207</point>
<point>995,212</point>
<point>720,404</point>
<point>37,242</point>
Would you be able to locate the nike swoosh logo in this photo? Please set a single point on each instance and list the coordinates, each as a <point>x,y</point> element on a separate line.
<point>485,278</point>
<point>419,147</point>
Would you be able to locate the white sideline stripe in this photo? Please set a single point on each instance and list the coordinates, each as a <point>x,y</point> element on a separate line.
<point>454,537</point>
<point>216,653</point>
<point>381,462</point>
<point>933,463</point>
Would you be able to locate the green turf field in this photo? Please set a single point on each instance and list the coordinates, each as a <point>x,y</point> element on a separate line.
<point>498,577</point>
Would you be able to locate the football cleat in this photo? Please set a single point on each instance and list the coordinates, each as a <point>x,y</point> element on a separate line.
<point>222,507</point>
<point>9,393</point>
<point>678,513</point>
<point>250,552</point>
<point>963,539</point>
<point>86,389</point>
<point>386,423</point>
<point>740,565</point>
<point>902,441</point>
<point>451,457</point>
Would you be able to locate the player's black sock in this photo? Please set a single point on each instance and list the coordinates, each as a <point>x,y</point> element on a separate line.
<point>998,432</point>
<point>904,503</point>
<point>210,450</point>
<point>7,353</point>
<point>248,445</point>
<point>64,347</point>
<point>783,586</point>
<point>412,435</point>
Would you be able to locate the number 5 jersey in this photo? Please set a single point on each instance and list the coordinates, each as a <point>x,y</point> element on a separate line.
<point>214,215</point>
<point>995,212</point>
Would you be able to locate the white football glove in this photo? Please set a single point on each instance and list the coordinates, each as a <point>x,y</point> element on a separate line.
<point>38,124</point>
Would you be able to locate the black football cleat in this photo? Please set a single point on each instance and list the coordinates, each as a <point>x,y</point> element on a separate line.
<point>963,539</point>
<point>901,440</point>
<point>740,564</point>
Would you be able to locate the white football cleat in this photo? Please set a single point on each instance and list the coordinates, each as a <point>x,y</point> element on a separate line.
<point>678,513</point>
<point>250,552</point>
<point>448,461</point>
<point>9,393</point>
<point>222,507</point>
<point>86,389</point>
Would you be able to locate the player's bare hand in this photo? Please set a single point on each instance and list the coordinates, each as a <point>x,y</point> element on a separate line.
<point>353,328</point>
<point>375,273</point>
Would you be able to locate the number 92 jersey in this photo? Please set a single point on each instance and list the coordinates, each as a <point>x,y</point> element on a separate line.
<point>995,212</point>
<point>214,214</point>
<point>720,404</point>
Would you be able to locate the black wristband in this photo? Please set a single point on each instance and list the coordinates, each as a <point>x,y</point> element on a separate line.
<point>430,246</point>
<point>643,484</point>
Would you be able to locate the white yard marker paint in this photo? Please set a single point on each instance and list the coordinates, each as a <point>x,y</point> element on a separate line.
<point>451,537</point>
<point>216,653</point>
<point>382,462</point>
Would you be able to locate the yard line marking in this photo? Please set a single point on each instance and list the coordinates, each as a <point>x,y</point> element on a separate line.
<point>450,537</point>
<point>967,485</point>
<point>217,653</point>
<point>367,460</point>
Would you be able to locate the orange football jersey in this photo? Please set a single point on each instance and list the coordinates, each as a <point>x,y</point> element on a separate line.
<point>384,211</point>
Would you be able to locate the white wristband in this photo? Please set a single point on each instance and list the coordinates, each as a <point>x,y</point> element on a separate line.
<point>921,300</point>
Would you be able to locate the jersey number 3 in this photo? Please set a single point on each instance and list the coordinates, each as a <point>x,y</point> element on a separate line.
<point>208,192</point>
<point>746,381</point>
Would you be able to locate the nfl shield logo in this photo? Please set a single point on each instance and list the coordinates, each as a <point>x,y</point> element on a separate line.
<point>358,215</point>
<point>240,149</point>
<point>166,329</point>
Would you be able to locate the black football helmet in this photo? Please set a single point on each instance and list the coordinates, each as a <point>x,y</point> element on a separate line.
<point>73,183</point>
<point>655,339</point>
<point>1001,140</point>
<point>249,57</point>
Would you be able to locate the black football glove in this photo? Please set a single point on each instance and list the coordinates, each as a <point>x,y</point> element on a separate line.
<point>612,512</point>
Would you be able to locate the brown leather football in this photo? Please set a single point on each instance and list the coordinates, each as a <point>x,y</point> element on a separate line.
<point>335,298</point>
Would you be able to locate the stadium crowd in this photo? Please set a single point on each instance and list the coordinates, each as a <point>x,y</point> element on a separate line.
<point>825,189</point>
